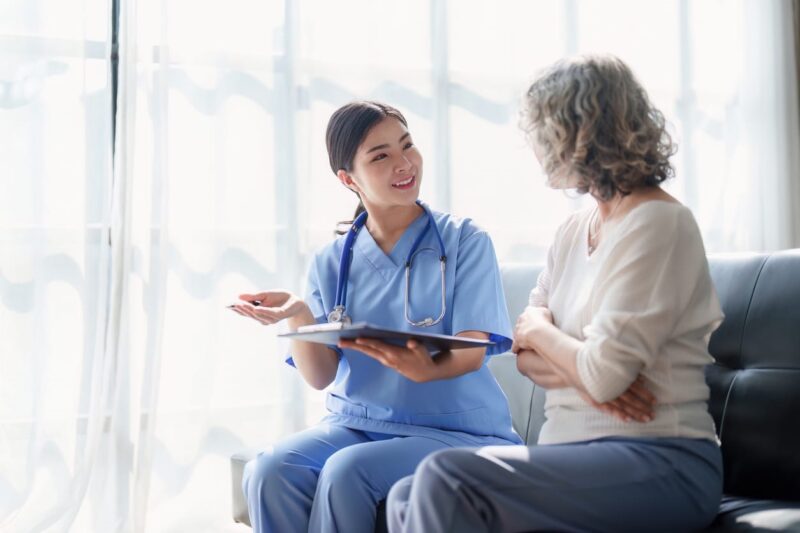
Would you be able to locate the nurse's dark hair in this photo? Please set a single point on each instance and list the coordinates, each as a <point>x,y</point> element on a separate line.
<point>347,128</point>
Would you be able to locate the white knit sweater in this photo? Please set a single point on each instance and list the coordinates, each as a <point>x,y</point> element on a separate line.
<point>643,302</point>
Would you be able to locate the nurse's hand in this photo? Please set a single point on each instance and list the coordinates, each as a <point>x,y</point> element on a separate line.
<point>412,361</point>
<point>270,307</point>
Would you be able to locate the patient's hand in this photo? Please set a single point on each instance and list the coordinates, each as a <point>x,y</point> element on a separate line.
<point>527,324</point>
<point>539,370</point>
<point>637,403</point>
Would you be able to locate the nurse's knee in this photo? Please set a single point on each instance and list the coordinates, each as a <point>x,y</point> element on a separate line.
<point>268,472</point>
<point>343,468</point>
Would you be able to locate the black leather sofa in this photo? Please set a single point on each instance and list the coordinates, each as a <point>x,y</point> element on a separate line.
<point>755,390</point>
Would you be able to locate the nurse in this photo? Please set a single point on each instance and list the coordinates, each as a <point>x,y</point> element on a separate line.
<point>388,407</point>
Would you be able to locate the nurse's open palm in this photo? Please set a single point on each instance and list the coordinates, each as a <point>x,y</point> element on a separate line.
<point>412,361</point>
<point>269,307</point>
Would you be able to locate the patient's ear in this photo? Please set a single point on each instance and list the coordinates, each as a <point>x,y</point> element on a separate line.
<point>347,180</point>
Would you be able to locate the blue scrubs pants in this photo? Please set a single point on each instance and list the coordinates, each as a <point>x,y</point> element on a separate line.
<point>613,485</point>
<point>328,478</point>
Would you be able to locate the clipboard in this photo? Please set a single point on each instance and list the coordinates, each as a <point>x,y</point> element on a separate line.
<point>331,333</point>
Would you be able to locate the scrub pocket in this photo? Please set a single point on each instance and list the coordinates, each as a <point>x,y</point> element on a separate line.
<point>340,406</point>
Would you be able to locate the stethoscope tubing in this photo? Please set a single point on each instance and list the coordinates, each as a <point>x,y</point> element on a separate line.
<point>339,313</point>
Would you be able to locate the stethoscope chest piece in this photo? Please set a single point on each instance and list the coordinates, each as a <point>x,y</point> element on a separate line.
<point>338,315</point>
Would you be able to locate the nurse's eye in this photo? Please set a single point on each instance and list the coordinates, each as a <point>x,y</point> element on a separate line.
<point>379,157</point>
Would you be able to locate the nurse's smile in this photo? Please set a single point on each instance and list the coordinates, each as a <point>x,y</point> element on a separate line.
<point>406,183</point>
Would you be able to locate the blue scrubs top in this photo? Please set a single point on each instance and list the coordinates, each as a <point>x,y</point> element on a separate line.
<point>469,410</point>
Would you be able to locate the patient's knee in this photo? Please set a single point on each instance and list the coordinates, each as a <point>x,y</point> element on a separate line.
<point>442,468</point>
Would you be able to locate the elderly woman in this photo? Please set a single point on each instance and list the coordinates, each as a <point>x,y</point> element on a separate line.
<point>625,297</point>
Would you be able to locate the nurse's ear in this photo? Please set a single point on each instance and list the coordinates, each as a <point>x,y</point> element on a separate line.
<point>348,181</point>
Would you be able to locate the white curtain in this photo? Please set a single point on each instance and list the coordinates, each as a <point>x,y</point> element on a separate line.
<point>765,162</point>
<point>739,165</point>
<point>125,384</point>
<point>55,148</point>
<point>205,212</point>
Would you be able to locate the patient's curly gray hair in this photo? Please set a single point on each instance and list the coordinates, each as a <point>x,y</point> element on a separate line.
<point>595,123</point>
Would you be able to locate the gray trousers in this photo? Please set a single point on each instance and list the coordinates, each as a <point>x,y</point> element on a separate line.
<point>614,484</point>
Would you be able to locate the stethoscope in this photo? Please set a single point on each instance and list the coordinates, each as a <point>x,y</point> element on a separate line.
<point>339,312</point>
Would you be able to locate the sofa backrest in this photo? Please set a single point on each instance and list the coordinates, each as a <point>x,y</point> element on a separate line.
<point>525,399</point>
<point>755,381</point>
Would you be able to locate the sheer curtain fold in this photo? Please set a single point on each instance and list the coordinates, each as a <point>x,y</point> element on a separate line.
<point>769,129</point>
<point>197,147</point>
<point>55,366</point>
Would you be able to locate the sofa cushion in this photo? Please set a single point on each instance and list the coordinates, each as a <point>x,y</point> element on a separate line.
<point>742,515</point>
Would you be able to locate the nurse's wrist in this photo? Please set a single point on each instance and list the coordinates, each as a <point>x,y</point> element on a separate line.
<point>303,318</point>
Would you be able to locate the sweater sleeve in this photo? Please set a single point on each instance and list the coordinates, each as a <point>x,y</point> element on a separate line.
<point>539,296</point>
<point>646,284</point>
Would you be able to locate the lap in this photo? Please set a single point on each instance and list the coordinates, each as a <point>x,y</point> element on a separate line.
<point>338,450</point>
<point>609,483</point>
<point>385,461</point>
<point>310,448</point>
<point>600,463</point>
